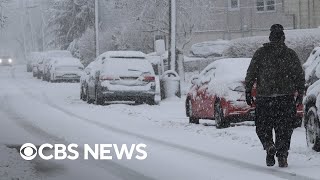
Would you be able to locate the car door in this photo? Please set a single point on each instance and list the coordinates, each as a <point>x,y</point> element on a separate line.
<point>203,98</point>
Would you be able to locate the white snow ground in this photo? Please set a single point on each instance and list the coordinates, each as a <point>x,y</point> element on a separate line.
<point>37,112</point>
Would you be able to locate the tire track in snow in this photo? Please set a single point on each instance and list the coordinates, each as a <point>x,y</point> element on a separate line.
<point>232,162</point>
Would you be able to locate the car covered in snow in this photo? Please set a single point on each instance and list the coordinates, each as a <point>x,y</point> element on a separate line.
<point>311,120</point>
<point>122,76</point>
<point>311,67</point>
<point>218,93</point>
<point>84,80</point>
<point>50,56</point>
<point>312,99</point>
<point>6,61</point>
<point>65,69</point>
<point>34,58</point>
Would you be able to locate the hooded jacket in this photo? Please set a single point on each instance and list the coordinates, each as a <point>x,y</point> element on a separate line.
<point>277,71</point>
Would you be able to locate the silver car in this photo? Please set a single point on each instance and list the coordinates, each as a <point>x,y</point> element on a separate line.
<point>122,78</point>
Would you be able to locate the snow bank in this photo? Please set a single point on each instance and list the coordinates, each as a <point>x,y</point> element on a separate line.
<point>302,41</point>
<point>210,48</point>
<point>13,167</point>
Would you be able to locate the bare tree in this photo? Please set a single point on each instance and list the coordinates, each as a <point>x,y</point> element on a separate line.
<point>69,19</point>
<point>3,18</point>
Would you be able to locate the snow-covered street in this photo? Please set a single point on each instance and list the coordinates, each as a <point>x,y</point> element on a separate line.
<point>40,112</point>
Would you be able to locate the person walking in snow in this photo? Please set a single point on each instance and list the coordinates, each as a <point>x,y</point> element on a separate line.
<point>278,75</point>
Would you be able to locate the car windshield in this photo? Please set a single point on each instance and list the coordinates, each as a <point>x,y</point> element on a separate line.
<point>127,67</point>
<point>68,68</point>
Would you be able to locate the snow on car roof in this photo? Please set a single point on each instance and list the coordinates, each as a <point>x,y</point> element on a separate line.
<point>224,74</point>
<point>67,62</point>
<point>311,64</point>
<point>230,69</point>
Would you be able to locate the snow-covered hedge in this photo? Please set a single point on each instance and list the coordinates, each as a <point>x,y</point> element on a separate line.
<point>302,41</point>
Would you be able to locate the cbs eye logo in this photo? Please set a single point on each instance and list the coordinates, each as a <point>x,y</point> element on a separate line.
<point>28,151</point>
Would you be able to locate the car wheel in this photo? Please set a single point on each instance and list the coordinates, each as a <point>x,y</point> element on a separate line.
<point>188,107</point>
<point>151,101</point>
<point>221,121</point>
<point>98,100</point>
<point>313,129</point>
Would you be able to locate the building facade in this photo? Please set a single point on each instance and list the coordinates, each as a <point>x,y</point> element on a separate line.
<point>207,20</point>
<point>305,12</point>
<point>243,18</point>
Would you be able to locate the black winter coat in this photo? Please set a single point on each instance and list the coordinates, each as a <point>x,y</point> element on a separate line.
<point>277,71</point>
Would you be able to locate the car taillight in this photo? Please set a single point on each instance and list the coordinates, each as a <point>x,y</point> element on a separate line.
<point>149,78</point>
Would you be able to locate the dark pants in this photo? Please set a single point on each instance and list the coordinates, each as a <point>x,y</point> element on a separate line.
<point>276,113</point>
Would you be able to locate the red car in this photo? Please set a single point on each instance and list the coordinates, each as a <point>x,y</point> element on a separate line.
<point>218,93</point>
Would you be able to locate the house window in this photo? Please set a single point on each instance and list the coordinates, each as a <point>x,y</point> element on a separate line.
<point>266,5</point>
<point>271,5</point>
<point>234,4</point>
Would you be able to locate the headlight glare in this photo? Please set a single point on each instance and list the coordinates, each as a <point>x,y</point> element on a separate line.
<point>10,60</point>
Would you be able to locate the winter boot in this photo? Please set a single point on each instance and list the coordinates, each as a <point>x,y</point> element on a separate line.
<point>283,161</point>
<point>271,152</point>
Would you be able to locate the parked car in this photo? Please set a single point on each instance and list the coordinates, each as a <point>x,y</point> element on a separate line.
<point>311,120</point>
<point>34,59</point>
<point>218,93</point>
<point>50,56</point>
<point>39,68</point>
<point>312,99</point>
<point>31,59</point>
<point>6,61</point>
<point>122,76</point>
<point>84,81</point>
<point>65,69</point>
<point>311,67</point>
<point>29,64</point>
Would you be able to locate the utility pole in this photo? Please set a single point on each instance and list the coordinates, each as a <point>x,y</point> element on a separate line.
<point>23,30</point>
<point>42,27</point>
<point>96,11</point>
<point>1,21</point>
<point>28,7</point>
<point>173,25</point>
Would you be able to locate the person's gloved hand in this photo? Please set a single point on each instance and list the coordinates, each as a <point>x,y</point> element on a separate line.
<point>299,99</point>
<point>249,98</point>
